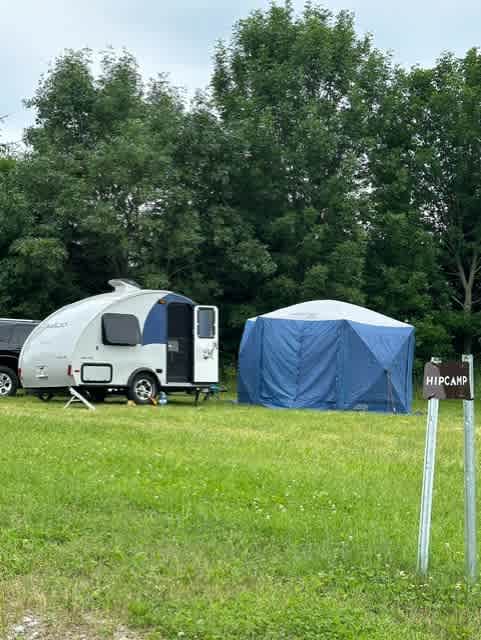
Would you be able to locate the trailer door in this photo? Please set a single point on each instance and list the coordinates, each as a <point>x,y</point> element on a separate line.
<point>179,342</point>
<point>206,344</point>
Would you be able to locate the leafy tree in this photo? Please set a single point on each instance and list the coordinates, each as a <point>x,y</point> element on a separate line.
<point>403,275</point>
<point>99,176</point>
<point>445,104</point>
<point>310,169</point>
<point>298,93</point>
<point>232,261</point>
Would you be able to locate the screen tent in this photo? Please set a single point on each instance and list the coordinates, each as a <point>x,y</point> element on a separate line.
<point>327,355</point>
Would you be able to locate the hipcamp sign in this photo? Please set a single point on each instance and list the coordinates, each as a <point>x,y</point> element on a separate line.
<point>447,381</point>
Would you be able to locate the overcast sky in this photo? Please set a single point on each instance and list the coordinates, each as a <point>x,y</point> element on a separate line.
<point>178,36</point>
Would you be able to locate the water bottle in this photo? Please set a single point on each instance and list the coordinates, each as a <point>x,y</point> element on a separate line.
<point>162,398</point>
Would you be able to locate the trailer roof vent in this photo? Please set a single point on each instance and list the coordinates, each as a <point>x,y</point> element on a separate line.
<point>122,284</point>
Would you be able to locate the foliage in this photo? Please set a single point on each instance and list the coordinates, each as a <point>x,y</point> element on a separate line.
<point>311,168</point>
<point>447,101</point>
<point>298,93</point>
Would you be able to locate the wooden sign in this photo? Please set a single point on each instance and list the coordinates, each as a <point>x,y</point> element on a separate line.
<point>447,381</point>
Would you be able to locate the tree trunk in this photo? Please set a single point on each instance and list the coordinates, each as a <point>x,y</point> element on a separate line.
<point>468,285</point>
<point>468,307</point>
<point>468,343</point>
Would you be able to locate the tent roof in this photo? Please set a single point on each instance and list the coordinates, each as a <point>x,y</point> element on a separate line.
<point>333,310</point>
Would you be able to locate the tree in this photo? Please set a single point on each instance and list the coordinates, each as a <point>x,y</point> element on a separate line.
<point>233,261</point>
<point>298,94</point>
<point>312,168</point>
<point>446,111</point>
<point>99,177</point>
<point>403,278</point>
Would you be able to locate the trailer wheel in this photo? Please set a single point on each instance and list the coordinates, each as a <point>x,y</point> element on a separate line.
<point>8,382</point>
<point>143,388</point>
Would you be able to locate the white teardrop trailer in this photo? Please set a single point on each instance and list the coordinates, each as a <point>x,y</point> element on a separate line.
<point>131,340</point>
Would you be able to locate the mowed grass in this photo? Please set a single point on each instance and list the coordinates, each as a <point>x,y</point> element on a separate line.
<point>225,521</point>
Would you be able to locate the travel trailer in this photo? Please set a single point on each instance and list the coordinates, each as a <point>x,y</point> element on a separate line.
<point>131,340</point>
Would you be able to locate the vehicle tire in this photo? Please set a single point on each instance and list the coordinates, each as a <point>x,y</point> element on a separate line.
<point>143,388</point>
<point>9,382</point>
<point>97,395</point>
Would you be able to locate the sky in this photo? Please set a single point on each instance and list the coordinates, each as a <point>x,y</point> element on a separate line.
<point>178,37</point>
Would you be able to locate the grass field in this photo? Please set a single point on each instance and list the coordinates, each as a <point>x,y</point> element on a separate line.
<point>222,521</point>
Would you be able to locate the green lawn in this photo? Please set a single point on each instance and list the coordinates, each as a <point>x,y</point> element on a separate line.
<point>222,521</point>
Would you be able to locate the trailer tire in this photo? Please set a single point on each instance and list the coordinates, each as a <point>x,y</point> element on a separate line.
<point>9,382</point>
<point>143,388</point>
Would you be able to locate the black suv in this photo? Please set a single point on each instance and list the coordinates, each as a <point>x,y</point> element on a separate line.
<point>13,334</point>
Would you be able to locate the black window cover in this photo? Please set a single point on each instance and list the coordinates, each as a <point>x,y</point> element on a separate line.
<point>120,329</point>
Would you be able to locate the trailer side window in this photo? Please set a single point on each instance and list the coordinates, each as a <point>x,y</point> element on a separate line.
<point>120,329</point>
<point>206,323</point>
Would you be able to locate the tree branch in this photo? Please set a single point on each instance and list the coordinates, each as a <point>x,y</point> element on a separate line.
<point>474,267</point>
<point>456,299</point>
<point>461,273</point>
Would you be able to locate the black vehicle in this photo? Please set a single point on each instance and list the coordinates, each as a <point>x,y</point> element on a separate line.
<point>13,334</point>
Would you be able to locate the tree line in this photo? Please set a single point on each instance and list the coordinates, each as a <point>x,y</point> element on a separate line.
<point>312,167</point>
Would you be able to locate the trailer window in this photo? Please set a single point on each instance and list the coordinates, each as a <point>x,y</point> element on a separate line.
<point>120,329</point>
<point>206,323</point>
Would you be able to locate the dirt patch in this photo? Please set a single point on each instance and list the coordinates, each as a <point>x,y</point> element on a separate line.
<point>32,627</point>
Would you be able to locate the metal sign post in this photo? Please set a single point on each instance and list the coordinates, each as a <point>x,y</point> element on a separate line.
<point>450,380</point>
<point>428,483</point>
<point>470,480</point>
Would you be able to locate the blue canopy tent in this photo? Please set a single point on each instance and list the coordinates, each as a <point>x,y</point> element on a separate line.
<point>326,354</point>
